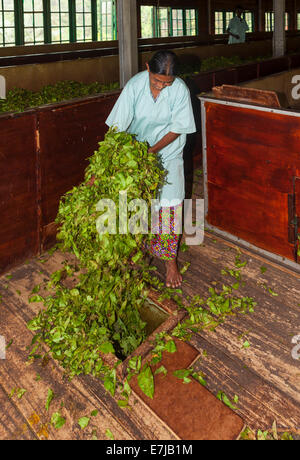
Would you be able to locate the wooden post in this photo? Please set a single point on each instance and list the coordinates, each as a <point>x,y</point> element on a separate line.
<point>204,27</point>
<point>259,17</point>
<point>127,36</point>
<point>279,28</point>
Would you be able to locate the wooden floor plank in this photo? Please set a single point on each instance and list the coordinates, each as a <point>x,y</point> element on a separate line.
<point>264,375</point>
<point>13,426</point>
<point>72,399</point>
<point>269,331</point>
<point>88,394</point>
<point>259,402</point>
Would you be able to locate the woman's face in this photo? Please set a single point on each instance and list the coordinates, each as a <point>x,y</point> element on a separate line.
<point>159,82</point>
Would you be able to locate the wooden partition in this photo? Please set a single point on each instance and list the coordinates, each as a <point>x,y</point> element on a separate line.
<point>252,175</point>
<point>18,188</point>
<point>69,134</point>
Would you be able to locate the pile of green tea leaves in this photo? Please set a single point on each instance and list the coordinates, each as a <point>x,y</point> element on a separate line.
<point>100,313</point>
<point>20,99</point>
<point>218,62</point>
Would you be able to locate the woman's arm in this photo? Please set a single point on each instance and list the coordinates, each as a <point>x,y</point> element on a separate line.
<point>166,140</point>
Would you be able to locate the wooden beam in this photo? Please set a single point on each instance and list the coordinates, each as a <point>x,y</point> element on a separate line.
<point>127,36</point>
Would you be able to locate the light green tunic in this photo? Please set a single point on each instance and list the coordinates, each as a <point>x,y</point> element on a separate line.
<point>137,112</point>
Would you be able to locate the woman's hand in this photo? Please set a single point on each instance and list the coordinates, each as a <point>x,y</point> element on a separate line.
<point>166,140</point>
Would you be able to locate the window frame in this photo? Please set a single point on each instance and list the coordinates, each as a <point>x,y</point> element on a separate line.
<point>225,20</point>
<point>4,28</point>
<point>94,23</point>
<point>156,21</point>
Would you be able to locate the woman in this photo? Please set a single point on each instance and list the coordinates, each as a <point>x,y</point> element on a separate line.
<point>155,105</point>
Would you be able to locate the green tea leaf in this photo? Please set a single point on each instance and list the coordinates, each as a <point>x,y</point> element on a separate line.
<point>57,420</point>
<point>83,422</point>
<point>146,381</point>
<point>109,434</point>
<point>49,399</point>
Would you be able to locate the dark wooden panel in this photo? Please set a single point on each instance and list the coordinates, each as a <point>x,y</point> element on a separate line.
<point>225,76</point>
<point>18,207</point>
<point>252,157</point>
<point>204,81</point>
<point>247,72</point>
<point>294,61</point>
<point>273,66</point>
<point>68,136</point>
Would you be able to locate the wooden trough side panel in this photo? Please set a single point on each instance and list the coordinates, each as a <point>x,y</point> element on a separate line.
<point>252,158</point>
<point>68,136</point>
<point>18,206</point>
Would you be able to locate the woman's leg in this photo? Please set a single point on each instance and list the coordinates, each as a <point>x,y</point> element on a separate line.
<point>164,244</point>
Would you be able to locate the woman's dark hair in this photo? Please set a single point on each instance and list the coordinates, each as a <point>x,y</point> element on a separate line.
<point>164,63</point>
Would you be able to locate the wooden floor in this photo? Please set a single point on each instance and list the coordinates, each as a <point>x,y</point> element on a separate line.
<point>263,375</point>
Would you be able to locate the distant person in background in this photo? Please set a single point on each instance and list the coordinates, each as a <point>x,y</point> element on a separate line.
<point>237,27</point>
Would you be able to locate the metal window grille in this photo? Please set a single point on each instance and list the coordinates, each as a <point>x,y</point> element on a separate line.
<point>7,23</point>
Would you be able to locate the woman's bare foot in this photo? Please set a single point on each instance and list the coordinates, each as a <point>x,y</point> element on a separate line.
<point>173,276</point>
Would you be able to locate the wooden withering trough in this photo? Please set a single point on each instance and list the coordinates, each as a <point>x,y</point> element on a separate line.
<point>43,154</point>
<point>251,159</point>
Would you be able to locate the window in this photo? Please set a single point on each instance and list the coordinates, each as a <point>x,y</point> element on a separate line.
<point>83,20</point>
<point>163,22</point>
<point>7,23</point>
<point>228,16</point>
<point>147,21</point>
<point>190,22</point>
<point>107,20</point>
<point>33,22</point>
<point>269,21</point>
<point>60,25</point>
<point>219,23</point>
<point>222,19</point>
<point>249,18</point>
<point>30,22</point>
<point>177,23</point>
<point>167,22</point>
<point>298,21</point>
<point>287,21</point>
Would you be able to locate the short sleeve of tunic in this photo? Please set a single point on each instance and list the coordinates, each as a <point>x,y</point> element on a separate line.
<point>182,121</point>
<point>122,113</point>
